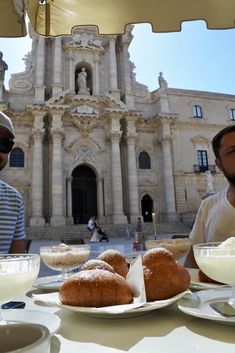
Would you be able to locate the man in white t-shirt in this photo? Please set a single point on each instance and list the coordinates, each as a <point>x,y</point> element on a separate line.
<point>215,219</point>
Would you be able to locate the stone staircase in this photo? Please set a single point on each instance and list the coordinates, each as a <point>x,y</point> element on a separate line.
<point>113,230</point>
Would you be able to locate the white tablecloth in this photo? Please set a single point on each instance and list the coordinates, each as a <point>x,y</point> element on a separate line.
<point>165,330</point>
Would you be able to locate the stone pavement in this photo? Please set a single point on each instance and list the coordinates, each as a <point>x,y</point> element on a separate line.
<point>124,245</point>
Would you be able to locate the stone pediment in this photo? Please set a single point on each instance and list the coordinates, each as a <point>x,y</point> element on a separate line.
<point>146,183</point>
<point>112,103</point>
<point>200,140</point>
<point>86,105</point>
<point>140,90</point>
<point>60,99</point>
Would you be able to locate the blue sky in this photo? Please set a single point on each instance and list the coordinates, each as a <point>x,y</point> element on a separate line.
<point>195,58</point>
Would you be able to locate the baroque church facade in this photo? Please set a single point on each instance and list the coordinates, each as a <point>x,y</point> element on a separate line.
<point>91,140</point>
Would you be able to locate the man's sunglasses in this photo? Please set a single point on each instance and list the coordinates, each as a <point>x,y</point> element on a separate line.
<point>6,145</point>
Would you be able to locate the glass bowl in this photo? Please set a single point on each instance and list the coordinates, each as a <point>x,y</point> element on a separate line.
<point>217,262</point>
<point>64,257</point>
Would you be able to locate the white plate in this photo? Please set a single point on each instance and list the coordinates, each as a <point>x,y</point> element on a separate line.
<point>195,284</point>
<point>122,311</point>
<point>198,305</point>
<point>51,321</point>
<point>48,283</point>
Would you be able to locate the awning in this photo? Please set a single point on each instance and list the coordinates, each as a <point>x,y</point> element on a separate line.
<point>58,17</point>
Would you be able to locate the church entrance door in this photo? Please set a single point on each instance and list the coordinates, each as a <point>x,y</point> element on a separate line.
<point>147,208</point>
<point>84,194</point>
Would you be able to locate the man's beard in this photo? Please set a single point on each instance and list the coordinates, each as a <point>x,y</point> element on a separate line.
<point>2,164</point>
<point>228,176</point>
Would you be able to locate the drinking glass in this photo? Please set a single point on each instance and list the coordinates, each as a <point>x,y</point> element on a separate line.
<point>17,274</point>
<point>64,258</point>
<point>217,263</point>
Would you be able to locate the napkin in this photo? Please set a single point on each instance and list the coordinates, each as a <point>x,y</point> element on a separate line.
<point>135,279</point>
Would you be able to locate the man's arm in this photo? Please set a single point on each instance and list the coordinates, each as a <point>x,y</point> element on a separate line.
<point>190,260</point>
<point>196,236</point>
<point>19,246</point>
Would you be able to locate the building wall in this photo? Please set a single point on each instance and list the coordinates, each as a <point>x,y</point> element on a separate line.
<point>120,119</point>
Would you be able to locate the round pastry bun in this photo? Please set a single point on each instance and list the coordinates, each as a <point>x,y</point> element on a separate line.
<point>95,288</point>
<point>96,264</point>
<point>157,256</point>
<point>115,259</point>
<point>163,276</point>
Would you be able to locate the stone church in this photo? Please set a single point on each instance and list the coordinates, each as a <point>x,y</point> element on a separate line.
<point>91,140</point>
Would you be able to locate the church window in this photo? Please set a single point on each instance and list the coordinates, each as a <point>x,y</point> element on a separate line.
<point>144,160</point>
<point>232,114</point>
<point>197,111</point>
<point>17,158</point>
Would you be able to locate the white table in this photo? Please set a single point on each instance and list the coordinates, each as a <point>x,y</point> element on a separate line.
<point>165,330</point>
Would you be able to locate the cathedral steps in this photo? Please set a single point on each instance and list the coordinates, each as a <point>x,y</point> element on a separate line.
<point>113,230</point>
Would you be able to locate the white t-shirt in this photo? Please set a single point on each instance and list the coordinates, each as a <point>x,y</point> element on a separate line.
<point>215,220</point>
<point>91,224</point>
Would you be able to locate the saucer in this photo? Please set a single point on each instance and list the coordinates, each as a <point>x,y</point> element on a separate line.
<point>51,321</point>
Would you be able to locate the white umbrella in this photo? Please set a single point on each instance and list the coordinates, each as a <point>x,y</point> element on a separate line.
<point>58,17</point>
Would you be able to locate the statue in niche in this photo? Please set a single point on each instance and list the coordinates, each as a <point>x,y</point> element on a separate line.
<point>3,67</point>
<point>82,82</point>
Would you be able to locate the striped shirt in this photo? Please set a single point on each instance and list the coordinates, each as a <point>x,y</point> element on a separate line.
<point>11,216</point>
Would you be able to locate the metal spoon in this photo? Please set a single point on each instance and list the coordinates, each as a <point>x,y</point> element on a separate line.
<point>223,308</point>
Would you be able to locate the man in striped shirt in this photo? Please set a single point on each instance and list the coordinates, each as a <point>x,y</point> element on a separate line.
<point>11,201</point>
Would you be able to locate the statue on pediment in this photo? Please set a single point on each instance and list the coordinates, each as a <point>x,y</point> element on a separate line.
<point>162,82</point>
<point>3,67</point>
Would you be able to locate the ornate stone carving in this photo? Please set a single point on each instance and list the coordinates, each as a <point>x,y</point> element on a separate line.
<point>23,82</point>
<point>166,140</point>
<point>200,140</point>
<point>84,109</point>
<point>85,125</point>
<point>140,90</point>
<point>37,134</point>
<point>84,153</point>
<point>85,41</point>
<point>115,136</point>
<point>131,138</point>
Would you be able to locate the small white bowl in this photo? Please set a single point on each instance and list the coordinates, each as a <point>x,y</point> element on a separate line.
<point>24,338</point>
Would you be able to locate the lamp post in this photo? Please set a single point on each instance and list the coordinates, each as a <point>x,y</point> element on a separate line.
<point>154,225</point>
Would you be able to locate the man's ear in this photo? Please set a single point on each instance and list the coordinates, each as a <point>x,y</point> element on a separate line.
<point>218,163</point>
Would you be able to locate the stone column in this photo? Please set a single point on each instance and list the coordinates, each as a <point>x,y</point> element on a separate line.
<point>168,179</point>
<point>57,218</point>
<point>57,68</point>
<point>132,178</point>
<point>113,68</point>
<point>69,219</point>
<point>37,218</point>
<point>96,85</point>
<point>100,199</point>
<point>71,72</point>
<point>40,70</point>
<point>117,196</point>
<point>129,99</point>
